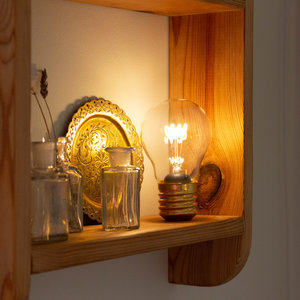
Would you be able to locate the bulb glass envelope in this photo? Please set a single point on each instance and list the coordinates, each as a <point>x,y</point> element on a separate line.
<point>176,134</point>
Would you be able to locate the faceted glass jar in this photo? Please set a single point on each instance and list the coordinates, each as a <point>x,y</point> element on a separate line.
<point>120,191</point>
<point>49,196</point>
<point>75,180</point>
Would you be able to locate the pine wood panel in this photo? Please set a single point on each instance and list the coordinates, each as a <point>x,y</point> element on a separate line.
<point>200,264</point>
<point>14,149</point>
<point>94,244</point>
<point>171,7</point>
<point>207,66</point>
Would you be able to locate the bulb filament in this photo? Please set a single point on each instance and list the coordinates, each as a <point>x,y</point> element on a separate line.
<point>175,135</point>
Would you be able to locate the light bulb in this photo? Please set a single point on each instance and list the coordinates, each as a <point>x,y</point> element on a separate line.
<point>175,136</point>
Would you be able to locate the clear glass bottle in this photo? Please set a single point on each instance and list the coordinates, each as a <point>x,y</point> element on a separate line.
<point>75,178</point>
<point>120,191</point>
<point>49,196</point>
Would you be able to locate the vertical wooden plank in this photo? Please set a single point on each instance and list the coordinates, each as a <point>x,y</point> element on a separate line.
<point>207,66</point>
<point>14,149</point>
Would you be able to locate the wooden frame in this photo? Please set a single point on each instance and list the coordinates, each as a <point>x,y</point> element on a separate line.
<point>14,152</point>
<point>154,234</point>
<point>211,64</point>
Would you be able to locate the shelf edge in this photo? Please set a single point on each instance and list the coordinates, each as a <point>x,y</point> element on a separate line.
<point>170,7</point>
<point>96,245</point>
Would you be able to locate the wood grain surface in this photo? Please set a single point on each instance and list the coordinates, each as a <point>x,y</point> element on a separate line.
<point>171,7</point>
<point>209,182</point>
<point>94,244</point>
<point>14,149</point>
<point>208,65</point>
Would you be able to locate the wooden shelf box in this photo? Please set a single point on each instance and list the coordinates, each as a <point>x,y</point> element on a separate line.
<point>210,63</point>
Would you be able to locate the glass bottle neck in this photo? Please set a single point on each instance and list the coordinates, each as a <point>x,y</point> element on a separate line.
<point>62,157</point>
<point>119,156</point>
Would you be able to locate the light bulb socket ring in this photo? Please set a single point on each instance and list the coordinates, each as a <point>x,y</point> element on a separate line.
<point>177,201</point>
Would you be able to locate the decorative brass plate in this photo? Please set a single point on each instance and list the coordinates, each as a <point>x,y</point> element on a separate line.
<point>96,125</point>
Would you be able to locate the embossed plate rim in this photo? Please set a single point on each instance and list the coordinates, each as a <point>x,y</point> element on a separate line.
<point>102,107</point>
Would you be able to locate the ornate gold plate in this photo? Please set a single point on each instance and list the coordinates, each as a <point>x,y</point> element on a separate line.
<point>96,125</point>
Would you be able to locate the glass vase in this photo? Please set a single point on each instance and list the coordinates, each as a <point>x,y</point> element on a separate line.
<point>120,191</point>
<point>49,196</point>
<point>75,179</point>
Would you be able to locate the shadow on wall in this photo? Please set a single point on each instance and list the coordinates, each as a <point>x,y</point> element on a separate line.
<point>65,117</point>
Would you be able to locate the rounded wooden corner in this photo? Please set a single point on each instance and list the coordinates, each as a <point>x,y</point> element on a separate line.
<point>210,263</point>
<point>237,270</point>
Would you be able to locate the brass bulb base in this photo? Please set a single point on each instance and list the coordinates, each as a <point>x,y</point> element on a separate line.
<point>177,201</point>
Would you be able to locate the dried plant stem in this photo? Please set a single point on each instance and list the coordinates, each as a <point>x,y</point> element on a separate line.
<point>50,117</point>
<point>38,102</point>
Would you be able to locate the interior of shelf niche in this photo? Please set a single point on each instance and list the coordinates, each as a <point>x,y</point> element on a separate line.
<point>171,7</point>
<point>95,245</point>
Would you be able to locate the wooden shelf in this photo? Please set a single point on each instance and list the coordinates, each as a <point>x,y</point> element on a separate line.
<point>210,63</point>
<point>94,244</point>
<point>171,7</point>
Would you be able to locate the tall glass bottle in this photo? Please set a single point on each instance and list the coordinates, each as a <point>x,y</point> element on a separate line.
<point>120,191</point>
<point>49,196</point>
<point>75,178</point>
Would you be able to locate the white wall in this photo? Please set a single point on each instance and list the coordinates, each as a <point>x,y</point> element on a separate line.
<point>80,66</point>
<point>291,135</point>
<point>91,51</point>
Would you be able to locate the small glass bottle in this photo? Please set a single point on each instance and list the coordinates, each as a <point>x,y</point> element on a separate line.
<point>120,191</point>
<point>49,196</point>
<point>75,178</point>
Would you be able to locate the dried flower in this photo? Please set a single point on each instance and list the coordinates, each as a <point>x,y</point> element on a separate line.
<point>44,93</point>
<point>44,84</point>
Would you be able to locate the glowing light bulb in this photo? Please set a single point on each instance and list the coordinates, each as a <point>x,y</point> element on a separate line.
<point>175,136</point>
